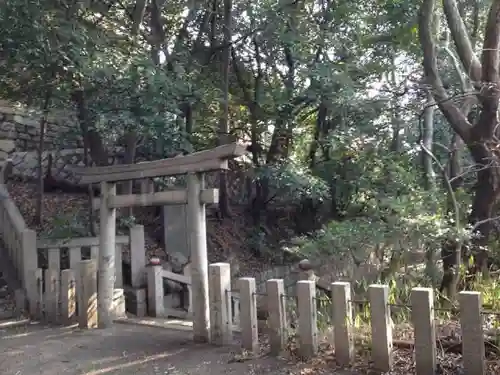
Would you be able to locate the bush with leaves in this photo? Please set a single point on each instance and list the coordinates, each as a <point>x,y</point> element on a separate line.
<point>291,182</point>
<point>385,211</point>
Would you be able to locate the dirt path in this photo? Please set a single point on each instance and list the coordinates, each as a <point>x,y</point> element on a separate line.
<point>124,350</point>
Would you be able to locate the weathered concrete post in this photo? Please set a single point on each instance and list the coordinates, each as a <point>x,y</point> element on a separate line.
<point>36,300</point>
<point>155,288</point>
<point>68,296</point>
<point>199,259</point>
<point>342,318</point>
<point>471,323</point>
<point>107,245</point>
<point>87,300</point>
<point>422,304</point>
<point>248,318</point>
<point>220,306</point>
<point>52,294</point>
<point>137,256</point>
<point>380,318</point>
<point>28,244</point>
<point>136,296</point>
<point>308,326</point>
<point>277,320</point>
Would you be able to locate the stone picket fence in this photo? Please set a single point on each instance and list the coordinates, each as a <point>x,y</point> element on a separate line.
<point>58,263</point>
<point>70,295</point>
<point>45,266</point>
<point>342,319</point>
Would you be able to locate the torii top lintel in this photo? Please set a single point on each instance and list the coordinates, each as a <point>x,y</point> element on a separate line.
<point>197,162</point>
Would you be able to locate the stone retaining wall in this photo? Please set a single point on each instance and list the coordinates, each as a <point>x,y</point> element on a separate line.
<point>25,164</point>
<point>22,125</point>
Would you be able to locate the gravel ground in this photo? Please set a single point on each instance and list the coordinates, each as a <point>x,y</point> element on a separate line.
<point>124,350</point>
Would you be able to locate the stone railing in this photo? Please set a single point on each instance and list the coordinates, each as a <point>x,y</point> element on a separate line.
<point>54,279</point>
<point>158,302</point>
<point>18,239</point>
<point>338,307</point>
<point>55,250</point>
<point>56,256</point>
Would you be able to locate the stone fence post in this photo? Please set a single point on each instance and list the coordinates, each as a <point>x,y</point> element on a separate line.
<point>29,260</point>
<point>155,288</point>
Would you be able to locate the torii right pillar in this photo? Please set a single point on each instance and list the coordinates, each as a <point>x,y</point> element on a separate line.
<point>196,226</point>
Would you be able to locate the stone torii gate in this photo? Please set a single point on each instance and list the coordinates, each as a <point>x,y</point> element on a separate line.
<point>195,196</point>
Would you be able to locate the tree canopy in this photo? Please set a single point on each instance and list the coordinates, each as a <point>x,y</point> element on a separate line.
<point>376,122</point>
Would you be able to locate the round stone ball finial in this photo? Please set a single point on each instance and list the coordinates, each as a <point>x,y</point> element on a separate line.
<point>305,265</point>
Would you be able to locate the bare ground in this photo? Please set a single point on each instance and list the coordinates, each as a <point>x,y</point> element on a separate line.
<point>124,350</point>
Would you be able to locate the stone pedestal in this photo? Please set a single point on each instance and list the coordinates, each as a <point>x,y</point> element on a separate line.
<point>136,301</point>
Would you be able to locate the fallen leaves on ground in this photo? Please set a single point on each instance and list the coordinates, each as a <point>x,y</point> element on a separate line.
<point>227,240</point>
<point>448,363</point>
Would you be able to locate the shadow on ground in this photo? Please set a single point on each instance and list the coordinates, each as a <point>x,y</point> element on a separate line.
<point>122,349</point>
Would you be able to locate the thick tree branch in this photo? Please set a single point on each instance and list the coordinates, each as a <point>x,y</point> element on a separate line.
<point>491,44</point>
<point>453,114</point>
<point>490,90</point>
<point>462,41</point>
<point>138,15</point>
<point>243,85</point>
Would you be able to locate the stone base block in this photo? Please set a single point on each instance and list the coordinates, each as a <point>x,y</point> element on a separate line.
<point>119,304</point>
<point>136,301</point>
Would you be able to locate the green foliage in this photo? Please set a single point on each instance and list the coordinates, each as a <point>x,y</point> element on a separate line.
<point>68,226</point>
<point>385,209</point>
<point>45,50</point>
<point>136,96</point>
<point>339,81</point>
<point>293,182</point>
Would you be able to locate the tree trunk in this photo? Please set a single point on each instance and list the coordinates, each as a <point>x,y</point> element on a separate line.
<point>320,126</point>
<point>480,137</point>
<point>455,169</point>
<point>224,121</point>
<point>93,145</point>
<point>487,191</point>
<point>90,192</point>
<point>41,146</point>
<point>397,124</point>
<point>130,140</point>
<point>451,256</point>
